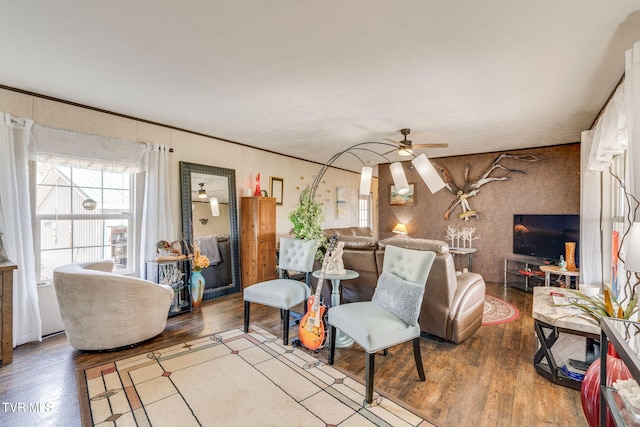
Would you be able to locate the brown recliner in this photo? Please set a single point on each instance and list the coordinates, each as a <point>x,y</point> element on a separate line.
<point>453,304</point>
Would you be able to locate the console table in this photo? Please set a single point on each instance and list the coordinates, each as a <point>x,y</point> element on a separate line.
<point>6,311</point>
<point>174,273</point>
<point>555,320</point>
<point>342,340</point>
<point>554,269</point>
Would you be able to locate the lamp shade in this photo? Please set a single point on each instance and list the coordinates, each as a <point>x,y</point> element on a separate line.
<point>399,178</point>
<point>215,209</point>
<point>365,180</point>
<point>632,248</point>
<point>428,173</point>
<point>400,228</point>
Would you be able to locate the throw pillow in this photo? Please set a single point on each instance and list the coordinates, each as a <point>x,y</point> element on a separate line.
<point>399,296</point>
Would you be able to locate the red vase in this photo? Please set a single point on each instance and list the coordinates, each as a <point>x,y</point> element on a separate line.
<point>590,390</point>
<point>257,193</point>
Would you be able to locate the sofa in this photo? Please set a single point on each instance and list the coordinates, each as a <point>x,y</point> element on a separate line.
<point>102,310</point>
<point>453,303</point>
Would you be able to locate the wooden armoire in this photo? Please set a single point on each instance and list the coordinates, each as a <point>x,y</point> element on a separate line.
<point>257,239</point>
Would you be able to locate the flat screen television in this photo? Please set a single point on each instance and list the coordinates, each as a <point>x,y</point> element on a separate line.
<point>544,236</point>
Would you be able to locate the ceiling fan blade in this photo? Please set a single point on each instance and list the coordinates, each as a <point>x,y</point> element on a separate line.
<point>436,145</point>
<point>395,150</point>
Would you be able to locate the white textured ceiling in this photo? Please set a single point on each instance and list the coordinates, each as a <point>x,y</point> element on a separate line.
<point>309,78</point>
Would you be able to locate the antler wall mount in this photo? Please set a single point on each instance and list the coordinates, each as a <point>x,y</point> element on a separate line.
<point>470,188</point>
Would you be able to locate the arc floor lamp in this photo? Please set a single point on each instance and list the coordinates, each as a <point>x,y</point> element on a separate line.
<point>422,164</point>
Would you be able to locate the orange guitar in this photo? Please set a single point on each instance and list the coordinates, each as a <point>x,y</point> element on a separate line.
<point>312,330</point>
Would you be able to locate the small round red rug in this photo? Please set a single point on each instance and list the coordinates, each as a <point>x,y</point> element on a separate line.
<point>497,311</point>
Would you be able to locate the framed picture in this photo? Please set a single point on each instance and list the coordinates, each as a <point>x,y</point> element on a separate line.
<point>408,199</point>
<point>341,202</point>
<point>276,185</point>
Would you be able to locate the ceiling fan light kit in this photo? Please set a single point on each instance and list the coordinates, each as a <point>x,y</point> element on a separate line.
<point>202,193</point>
<point>405,146</point>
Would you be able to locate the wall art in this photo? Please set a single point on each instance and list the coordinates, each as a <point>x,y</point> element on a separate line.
<point>408,199</point>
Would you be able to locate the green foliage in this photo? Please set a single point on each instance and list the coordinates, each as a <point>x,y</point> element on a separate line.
<point>307,219</point>
<point>605,305</point>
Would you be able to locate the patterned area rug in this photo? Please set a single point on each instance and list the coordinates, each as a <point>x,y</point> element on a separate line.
<point>497,311</point>
<point>232,379</point>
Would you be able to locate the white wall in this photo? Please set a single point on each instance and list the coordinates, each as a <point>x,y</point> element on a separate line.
<point>188,147</point>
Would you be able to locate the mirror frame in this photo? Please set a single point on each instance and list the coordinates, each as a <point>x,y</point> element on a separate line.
<point>186,169</point>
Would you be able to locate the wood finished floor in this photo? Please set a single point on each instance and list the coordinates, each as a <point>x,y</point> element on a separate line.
<point>487,380</point>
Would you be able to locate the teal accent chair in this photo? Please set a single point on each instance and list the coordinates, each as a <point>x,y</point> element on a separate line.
<point>391,317</point>
<point>295,255</point>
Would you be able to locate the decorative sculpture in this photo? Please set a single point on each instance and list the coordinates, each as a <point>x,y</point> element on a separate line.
<point>562,264</point>
<point>257,193</point>
<point>335,265</point>
<point>470,188</point>
<point>169,251</point>
<point>466,234</point>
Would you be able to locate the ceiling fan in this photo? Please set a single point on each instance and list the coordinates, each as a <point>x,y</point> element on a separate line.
<point>405,147</point>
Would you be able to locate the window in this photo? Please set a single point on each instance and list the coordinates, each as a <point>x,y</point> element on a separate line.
<point>82,215</point>
<point>364,211</point>
<point>619,211</point>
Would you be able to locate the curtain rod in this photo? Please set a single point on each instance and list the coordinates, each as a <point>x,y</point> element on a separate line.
<point>92,134</point>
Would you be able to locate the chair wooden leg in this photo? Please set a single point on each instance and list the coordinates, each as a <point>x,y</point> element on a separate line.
<point>332,347</point>
<point>369,364</point>
<point>285,326</point>
<point>247,306</point>
<point>418,357</point>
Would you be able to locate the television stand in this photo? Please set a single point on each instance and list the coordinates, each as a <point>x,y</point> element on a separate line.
<point>523,273</point>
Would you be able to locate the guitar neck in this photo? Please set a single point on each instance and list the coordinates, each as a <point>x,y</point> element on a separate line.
<point>323,271</point>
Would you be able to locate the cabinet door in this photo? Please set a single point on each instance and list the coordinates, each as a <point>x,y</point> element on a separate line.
<point>248,237</point>
<point>267,239</point>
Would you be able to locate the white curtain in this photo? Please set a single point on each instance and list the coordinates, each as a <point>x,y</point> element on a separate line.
<point>609,137</point>
<point>157,219</point>
<point>81,150</point>
<point>617,130</point>
<point>632,180</point>
<point>590,216</point>
<point>632,97</point>
<point>15,223</point>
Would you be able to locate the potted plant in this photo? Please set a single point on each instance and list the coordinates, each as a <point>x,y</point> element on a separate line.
<point>307,218</point>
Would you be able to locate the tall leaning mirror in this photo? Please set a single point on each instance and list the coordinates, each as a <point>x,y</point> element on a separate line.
<point>210,215</point>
